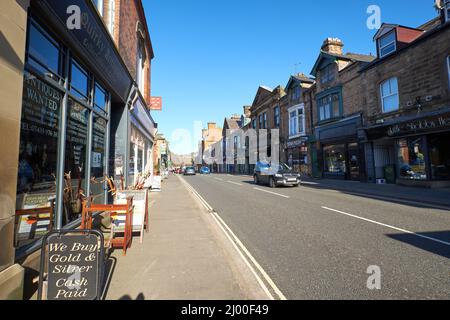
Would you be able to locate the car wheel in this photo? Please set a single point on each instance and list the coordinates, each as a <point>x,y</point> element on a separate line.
<point>256,180</point>
<point>272,182</point>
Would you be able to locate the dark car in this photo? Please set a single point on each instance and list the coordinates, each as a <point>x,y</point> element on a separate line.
<point>189,171</point>
<point>276,175</point>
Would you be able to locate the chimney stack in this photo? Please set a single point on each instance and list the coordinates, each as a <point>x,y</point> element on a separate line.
<point>333,45</point>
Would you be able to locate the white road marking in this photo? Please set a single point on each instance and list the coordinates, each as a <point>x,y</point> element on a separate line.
<point>230,235</point>
<point>274,193</point>
<point>388,226</point>
<point>238,184</point>
<point>218,179</point>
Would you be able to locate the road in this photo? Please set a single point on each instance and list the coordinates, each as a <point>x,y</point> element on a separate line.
<point>319,244</point>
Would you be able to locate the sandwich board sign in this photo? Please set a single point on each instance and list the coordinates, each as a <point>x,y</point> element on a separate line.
<point>140,212</point>
<point>74,261</point>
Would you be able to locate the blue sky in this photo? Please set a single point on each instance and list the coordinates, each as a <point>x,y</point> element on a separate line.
<point>211,56</point>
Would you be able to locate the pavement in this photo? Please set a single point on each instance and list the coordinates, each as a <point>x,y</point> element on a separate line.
<point>185,256</point>
<point>319,241</point>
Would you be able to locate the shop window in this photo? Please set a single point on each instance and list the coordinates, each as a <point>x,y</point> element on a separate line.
<point>98,162</point>
<point>44,53</point>
<point>411,159</point>
<point>75,160</point>
<point>329,106</point>
<point>79,81</point>
<point>38,153</point>
<point>334,158</point>
<point>100,99</point>
<point>387,44</point>
<point>440,156</point>
<point>389,95</point>
<point>131,169</point>
<point>447,10</point>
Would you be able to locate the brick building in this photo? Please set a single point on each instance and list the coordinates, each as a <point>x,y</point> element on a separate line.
<point>406,94</point>
<point>336,103</point>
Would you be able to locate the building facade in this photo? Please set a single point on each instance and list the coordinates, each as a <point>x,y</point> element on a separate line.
<point>336,103</point>
<point>407,101</point>
<point>74,108</point>
<point>296,124</point>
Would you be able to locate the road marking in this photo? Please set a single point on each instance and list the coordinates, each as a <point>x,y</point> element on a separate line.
<point>240,248</point>
<point>274,193</point>
<point>218,179</point>
<point>388,226</point>
<point>238,184</point>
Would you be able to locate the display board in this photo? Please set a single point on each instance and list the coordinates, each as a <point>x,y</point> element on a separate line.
<point>30,225</point>
<point>140,212</point>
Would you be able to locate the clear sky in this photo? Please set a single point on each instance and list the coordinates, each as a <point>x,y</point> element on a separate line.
<point>211,55</point>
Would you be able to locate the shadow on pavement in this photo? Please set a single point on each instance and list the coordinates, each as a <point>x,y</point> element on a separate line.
<point>434,247</point>
<point>110,266</point>
<point>127,297</point>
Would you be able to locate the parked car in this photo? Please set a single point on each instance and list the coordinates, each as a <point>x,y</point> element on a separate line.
<point>280,175</point>
<point>205,170</point>
<point>189,171</point>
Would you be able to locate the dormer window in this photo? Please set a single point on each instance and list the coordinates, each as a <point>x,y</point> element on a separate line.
<point>387,44</point>
<point>327,74</point>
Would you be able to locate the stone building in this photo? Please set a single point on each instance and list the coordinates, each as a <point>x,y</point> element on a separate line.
<point>92,95</point>
<point>336,103</point>
<point>296,124</point>
<point>406,93</point>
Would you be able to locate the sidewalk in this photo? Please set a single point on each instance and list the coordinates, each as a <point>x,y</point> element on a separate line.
<point>182,258</point>
<point>439,197</point>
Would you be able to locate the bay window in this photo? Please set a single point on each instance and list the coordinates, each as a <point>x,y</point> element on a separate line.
<point>329,106</point>
<point>389,95</point>
<point>297,125</point>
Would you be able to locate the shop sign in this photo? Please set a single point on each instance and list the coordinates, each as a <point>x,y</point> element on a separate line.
<point>74,266</point>
<point>297,143</point>
<point>94,41</point>
<point>421,125</point>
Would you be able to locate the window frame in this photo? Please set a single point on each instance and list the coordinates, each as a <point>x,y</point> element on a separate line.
<point>277,116</point>
<point>328,94</point>
<point>382,97</point>
<point>294,114</point>
<point>380,48</point>
<point>327,74</point>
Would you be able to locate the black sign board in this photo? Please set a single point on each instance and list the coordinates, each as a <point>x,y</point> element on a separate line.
<point>73,261</point>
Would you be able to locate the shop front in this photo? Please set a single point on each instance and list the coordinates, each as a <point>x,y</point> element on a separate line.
<point>418,148</point>
<point>340,156</point>
<point>297,152</point>
<point>73,83</point>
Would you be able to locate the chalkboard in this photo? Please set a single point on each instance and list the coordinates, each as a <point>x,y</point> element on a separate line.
<point>74,265</point>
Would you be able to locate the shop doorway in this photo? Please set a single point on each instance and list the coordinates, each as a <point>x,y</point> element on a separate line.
<point>353,162</point>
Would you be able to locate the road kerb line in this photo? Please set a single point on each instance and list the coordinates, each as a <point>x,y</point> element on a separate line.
<point>388,226</point>
<point>274,193</point>
<point>250,256</point>
<point>240,248</point>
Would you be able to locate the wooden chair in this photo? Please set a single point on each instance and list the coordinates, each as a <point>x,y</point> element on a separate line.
<point>125,210</point>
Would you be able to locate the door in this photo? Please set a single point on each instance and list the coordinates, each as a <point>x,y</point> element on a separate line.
<point>353,162</point>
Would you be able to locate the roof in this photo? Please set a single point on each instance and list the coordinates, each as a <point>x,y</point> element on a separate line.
<point>354,57</point>
<point>232,124</point>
